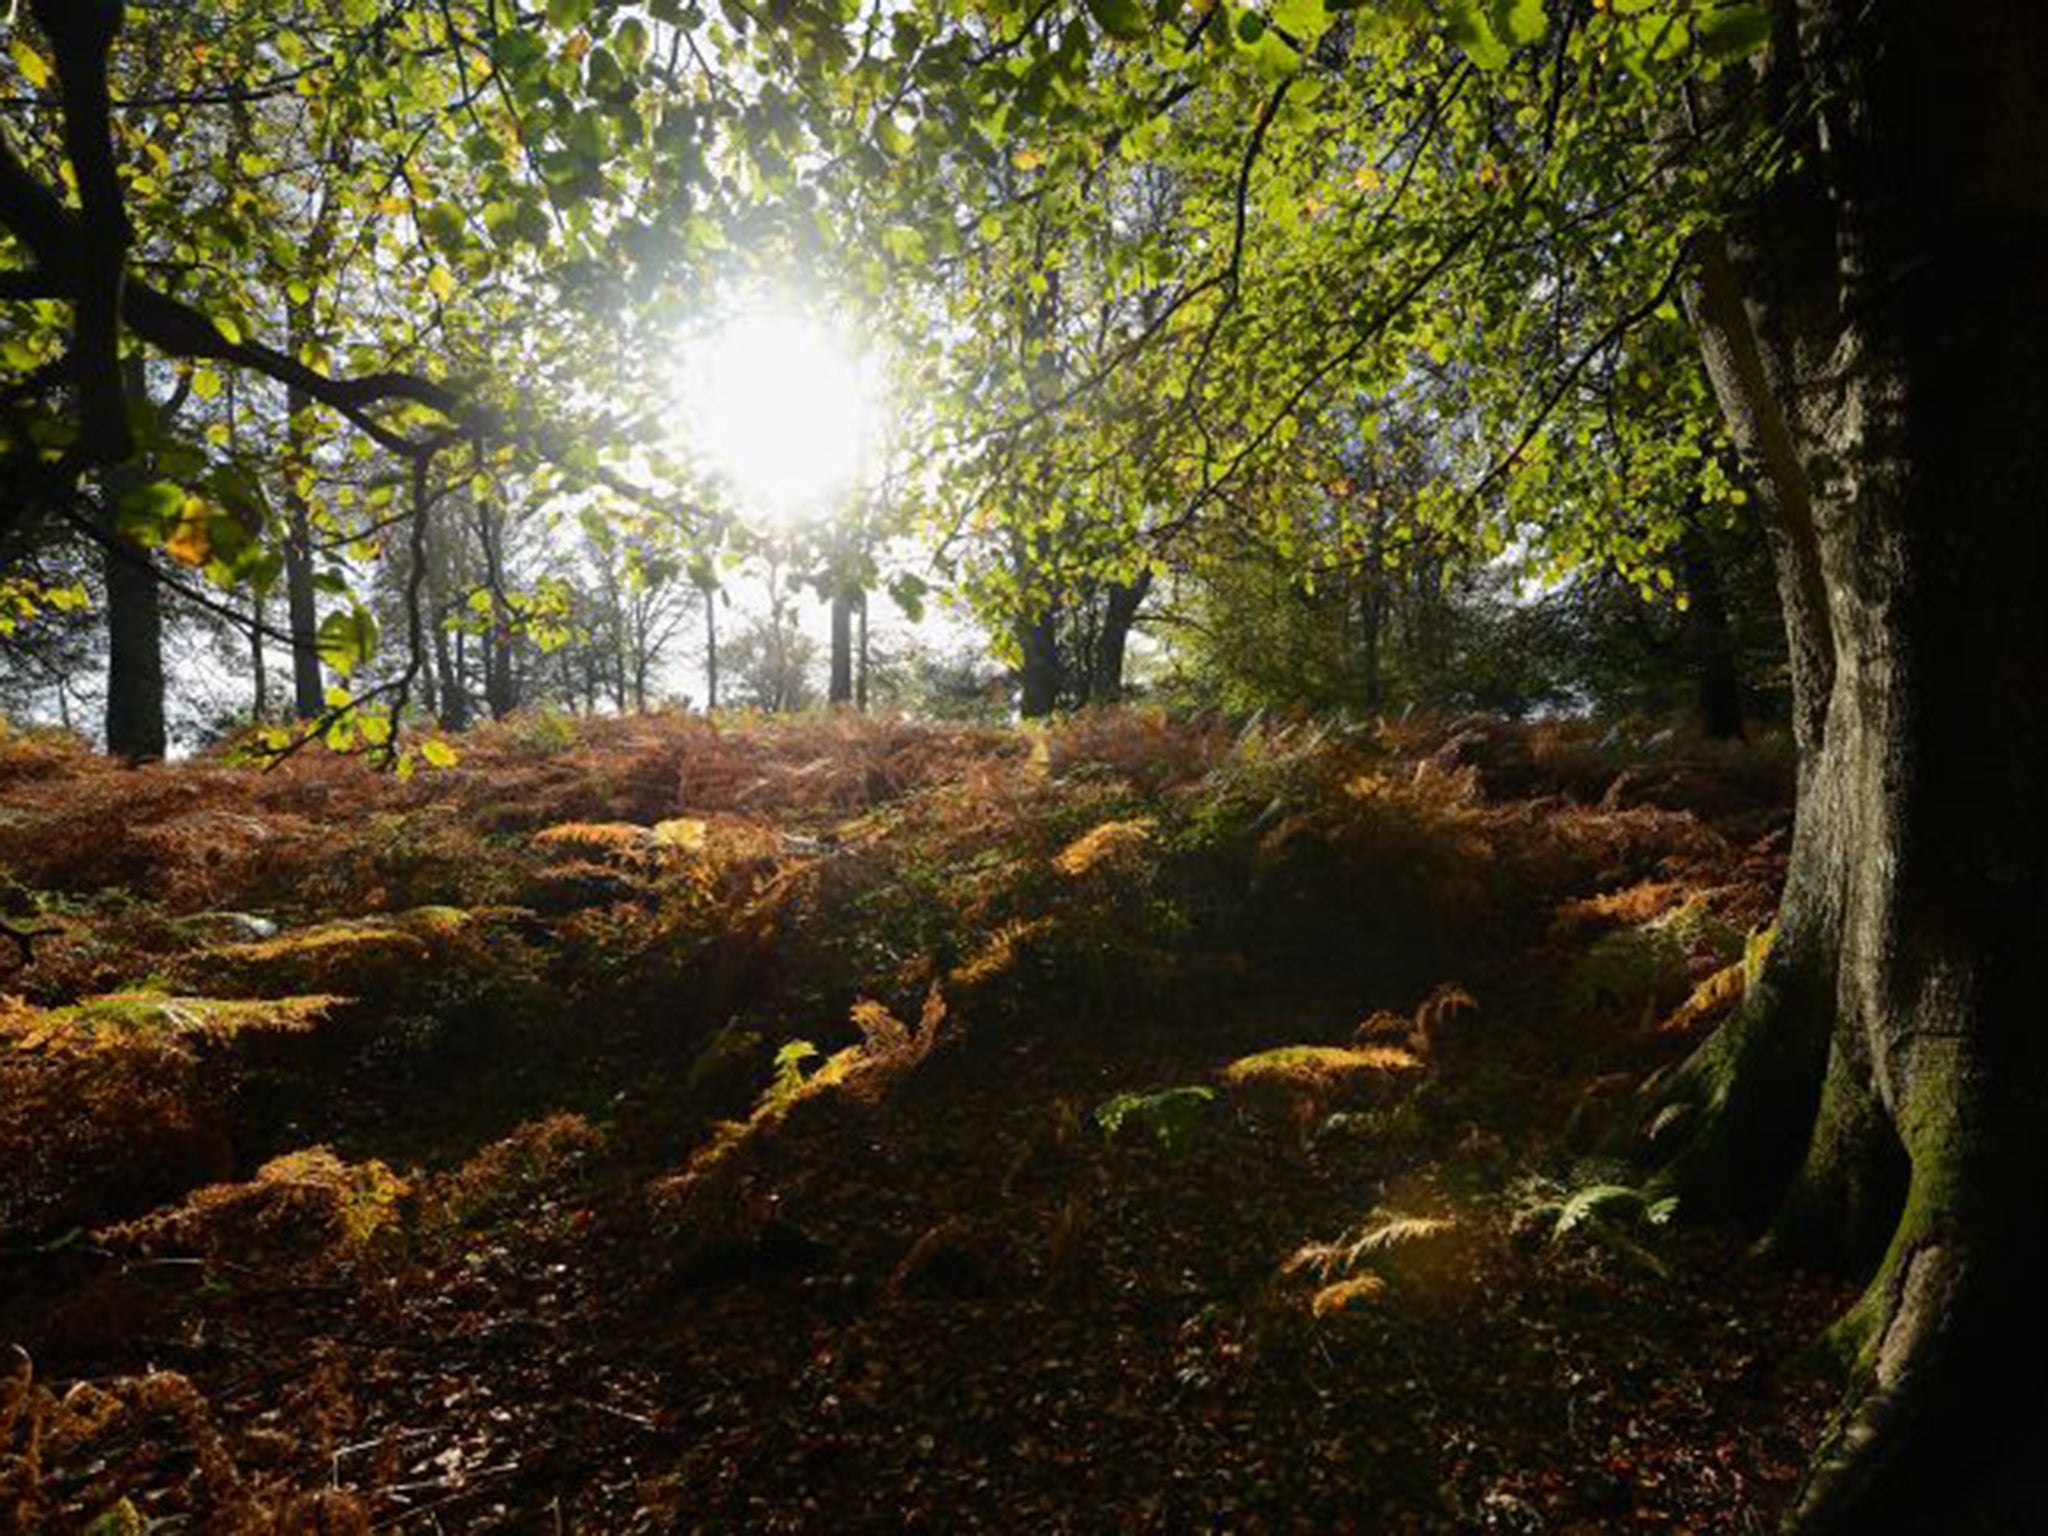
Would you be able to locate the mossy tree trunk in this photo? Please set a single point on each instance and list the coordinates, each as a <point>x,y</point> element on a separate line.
<point>1877,331</point>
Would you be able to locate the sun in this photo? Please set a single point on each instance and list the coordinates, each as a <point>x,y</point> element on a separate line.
<point>781,409</point>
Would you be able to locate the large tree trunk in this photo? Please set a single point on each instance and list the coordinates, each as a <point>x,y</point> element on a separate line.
<point>1121,603</point>
<point>1877,331</point>
<point>1038,679</point>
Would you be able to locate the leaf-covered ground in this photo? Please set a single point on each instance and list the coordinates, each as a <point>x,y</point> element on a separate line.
<point>833,1125</point>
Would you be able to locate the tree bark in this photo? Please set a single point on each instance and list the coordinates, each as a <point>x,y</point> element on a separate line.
<point>1876,329</point>
<point>135,642</point>
<point>1710,640</point>
<point>1371,627</point>
<point>1038,679</point>
<point>309,689</point>
<point>710,650</point>
<point>1121,602</point>
<point>259,667</point>
<point>860,655</point>
<point>501,681</point>
<point>135,659</point>
<point>840,688</point>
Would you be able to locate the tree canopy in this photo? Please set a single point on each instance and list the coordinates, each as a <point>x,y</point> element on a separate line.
<point>1143,275</point>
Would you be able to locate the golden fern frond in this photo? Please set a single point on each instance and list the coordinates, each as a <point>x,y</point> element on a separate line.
<point>1320,1257</point>
<point>1396,1232</point>
<point>1345,1294</point>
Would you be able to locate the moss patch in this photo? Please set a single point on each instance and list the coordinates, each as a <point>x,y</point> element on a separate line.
<point>1320,1067</point>
<point>154,1019</point>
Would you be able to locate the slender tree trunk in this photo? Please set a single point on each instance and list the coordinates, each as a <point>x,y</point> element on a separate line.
<point>1876,333</point>
<point>860,671</point>
<point>259,670</point>
<point>1372,614</point>
<point>840,688</point>
<point>1710,640</point>
<point>309,689</point>
<point>501,681</point>
<point>1371,626</point>
<point>710,651</point>
<point>135,644</point>
<point>451,701</point>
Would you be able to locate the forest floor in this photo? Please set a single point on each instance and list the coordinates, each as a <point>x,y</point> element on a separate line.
<point>840,1125</point>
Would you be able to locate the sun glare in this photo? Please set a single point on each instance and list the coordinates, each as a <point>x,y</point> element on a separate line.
<point>780,408</point>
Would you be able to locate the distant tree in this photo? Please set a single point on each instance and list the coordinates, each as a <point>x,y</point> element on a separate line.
<point>770,664</point>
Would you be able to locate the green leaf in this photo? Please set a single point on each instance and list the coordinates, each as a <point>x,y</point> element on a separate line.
<point>908,591</point>
<point>1304,20</point>
<point>120,1519</point>
<point>347,638</point>
<point>1124,20</point>
<point>1469,29</point>
<point>1517,22</point>
<point>147,513</point>
<point>1171,1114</point>
<point>1733,31</point>
<point>629,43</point>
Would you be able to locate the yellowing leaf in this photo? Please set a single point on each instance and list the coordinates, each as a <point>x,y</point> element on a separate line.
<point>205,383</point>
<point>189,542</point>
<point>1027,159</point>
<point>442,282</point>
<point>32,64</point>
<point>438,754</point>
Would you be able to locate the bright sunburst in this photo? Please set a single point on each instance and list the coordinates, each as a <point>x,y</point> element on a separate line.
<point>781,408</point>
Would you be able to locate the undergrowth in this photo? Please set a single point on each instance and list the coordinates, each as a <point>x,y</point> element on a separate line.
<point>349,1032</point>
